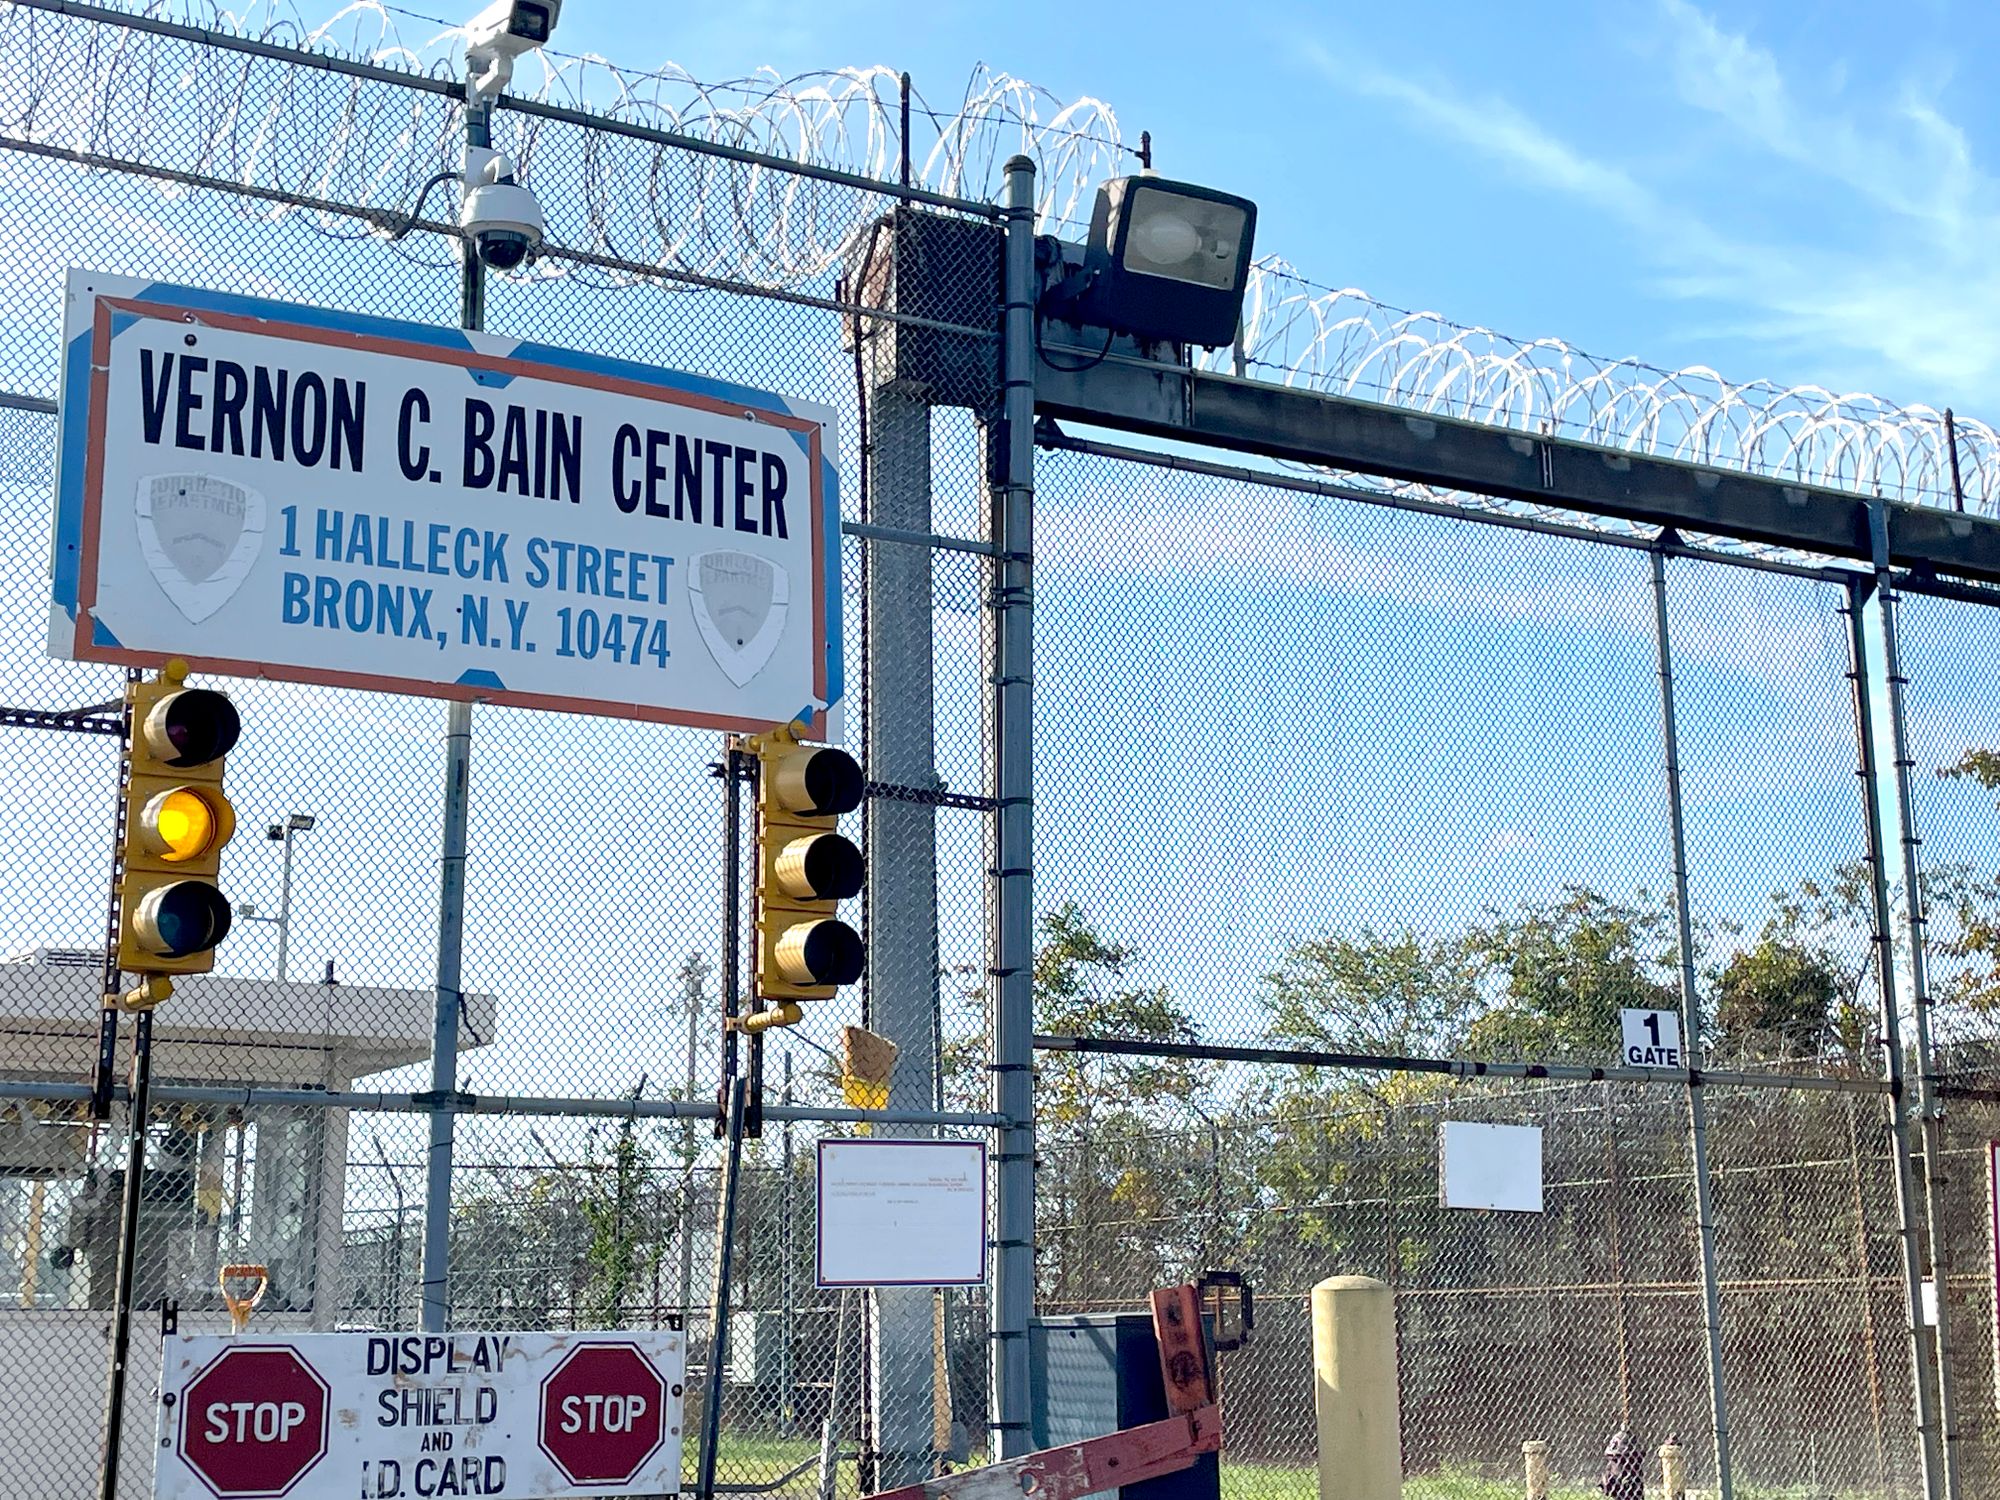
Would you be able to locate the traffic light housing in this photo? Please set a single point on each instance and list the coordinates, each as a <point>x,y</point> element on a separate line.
<point>805,869</point>
<point>170,912</point>
<point>867,1063</point>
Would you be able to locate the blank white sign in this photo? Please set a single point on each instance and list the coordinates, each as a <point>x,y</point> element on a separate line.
<point>1491,1166</point>
<point>902,1213</point>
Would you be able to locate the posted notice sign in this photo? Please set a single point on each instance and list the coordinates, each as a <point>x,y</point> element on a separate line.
<point>393,1416</point>
<point>901,1213</point>
<point>270,490</point>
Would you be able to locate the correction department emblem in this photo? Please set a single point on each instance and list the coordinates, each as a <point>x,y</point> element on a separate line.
<point>200,536</point>
<point>739,604</point>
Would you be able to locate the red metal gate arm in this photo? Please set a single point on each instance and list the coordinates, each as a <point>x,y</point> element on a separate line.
<point>1085,1468</point>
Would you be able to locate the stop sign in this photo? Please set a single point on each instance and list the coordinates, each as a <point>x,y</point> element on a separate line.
<point>603,1412</point>
<point>253,1421</point>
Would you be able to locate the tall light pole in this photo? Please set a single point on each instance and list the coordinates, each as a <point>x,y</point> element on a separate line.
<point>281,833</point>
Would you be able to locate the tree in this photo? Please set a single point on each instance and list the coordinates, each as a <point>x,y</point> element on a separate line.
<point>1081,989</point>
<point>1786,998</point>
<point>1405,996</point>
<point>626,1240</point>
<point>1565,968</point>
<point>1117,1187</point>
<point>1969,902</point>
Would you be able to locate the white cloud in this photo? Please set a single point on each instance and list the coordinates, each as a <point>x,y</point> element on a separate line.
<point>1891,277</point>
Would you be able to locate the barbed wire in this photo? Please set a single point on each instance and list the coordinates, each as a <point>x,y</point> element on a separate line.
<point>111,91</point>
<point>1344,341</point>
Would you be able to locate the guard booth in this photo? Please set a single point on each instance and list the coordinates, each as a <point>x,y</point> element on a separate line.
<point>223,1181</point>
<point>1094,1373</point>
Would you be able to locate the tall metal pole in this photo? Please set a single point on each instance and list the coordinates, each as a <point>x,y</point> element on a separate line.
<point>1928,1447</point>
<point>691,975</point>
<point>787,1280</point>
<point>451,883</point>
<point>285,906</point>
<point>733,767</point>
<point>128,1250</point>
<point>1691,1038</point>
<point>1930,1113</point>
<point>1011,955</point>
<point>718,1330</point>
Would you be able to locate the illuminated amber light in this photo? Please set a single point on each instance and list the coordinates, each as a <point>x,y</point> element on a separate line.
<point>183,824</point>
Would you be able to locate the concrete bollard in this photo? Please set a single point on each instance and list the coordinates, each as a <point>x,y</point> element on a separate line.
<point>1356,1406</point>
<point>1673,1471</point>
<point>1535,1460</point>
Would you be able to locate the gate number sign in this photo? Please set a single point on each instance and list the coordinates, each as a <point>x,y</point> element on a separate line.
<point>1652,1038</point>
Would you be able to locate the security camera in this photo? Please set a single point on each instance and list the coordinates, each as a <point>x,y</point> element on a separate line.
<point>502,218</point>
<point>502,32</point>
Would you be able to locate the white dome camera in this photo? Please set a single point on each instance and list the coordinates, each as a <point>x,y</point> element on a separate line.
<point>499,216</point>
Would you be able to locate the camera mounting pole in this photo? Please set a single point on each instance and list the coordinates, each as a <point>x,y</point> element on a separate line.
<point>451,860</point>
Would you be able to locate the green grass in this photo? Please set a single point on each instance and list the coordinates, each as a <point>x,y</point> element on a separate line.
<point>742,1458</point>
<point>1247,1481</point>
<point>747,1459</point>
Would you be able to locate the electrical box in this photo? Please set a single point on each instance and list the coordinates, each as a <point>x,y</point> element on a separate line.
<point>756,1349</point>
<point>1093,1373</point>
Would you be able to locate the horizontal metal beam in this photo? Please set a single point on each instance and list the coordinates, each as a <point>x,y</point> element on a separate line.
<point>1459,1067</point>
<point>1663,542</point>
<point>1365,437</point>
<point>867,531</point>
<point>75,721</point>
<point>248,1096</point>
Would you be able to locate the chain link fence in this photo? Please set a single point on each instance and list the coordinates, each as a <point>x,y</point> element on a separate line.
<point>1384,790</point>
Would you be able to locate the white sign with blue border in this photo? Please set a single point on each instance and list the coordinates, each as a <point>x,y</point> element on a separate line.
<point>268,490</point>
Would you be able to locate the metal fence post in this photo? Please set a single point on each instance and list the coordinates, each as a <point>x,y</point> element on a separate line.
<point>718,1321</point>
<point>451,881</point>
<point>1928,1446</point>
<point>1929,1112</point>
<point>137,1121</point>
<point>1012,942</point>
<point>1691,1038</point>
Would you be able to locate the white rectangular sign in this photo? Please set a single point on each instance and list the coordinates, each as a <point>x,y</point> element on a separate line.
<point>271,490</point>
<point>1652,1038</point>
<point>902,1213</point>
<point>1491,1166</point>
<point>409,1416</point>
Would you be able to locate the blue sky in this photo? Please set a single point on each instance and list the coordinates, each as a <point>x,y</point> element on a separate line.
<point>1800,192</point>
<point>1260,716</point>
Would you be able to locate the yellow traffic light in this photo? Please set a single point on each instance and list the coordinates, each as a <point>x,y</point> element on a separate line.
<point>805,869</point>
<point>170,912</point>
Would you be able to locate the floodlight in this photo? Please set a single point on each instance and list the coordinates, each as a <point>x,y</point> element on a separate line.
<point>1166,260</point>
